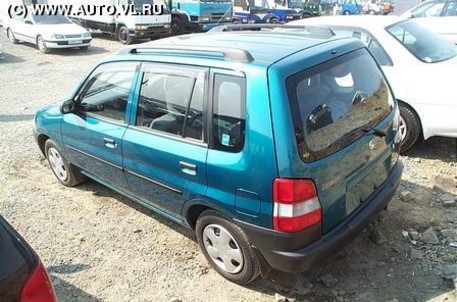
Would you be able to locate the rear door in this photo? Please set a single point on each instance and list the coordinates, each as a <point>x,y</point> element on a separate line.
<point>342,113</point>
<point>164,148</point>
<point>92,135</point>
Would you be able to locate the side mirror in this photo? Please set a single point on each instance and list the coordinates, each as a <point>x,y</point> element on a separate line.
<point>67,107</point>
<point>92,107</point>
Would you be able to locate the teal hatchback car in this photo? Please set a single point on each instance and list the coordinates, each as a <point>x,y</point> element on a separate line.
<point>277,148</point>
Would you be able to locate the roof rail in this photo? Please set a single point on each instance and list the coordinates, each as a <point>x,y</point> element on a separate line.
<point>318,30</point>
<point>229,54</point>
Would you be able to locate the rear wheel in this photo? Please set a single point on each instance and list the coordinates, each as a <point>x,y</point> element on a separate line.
<point>66,173</point>
<point>11,36</point>
<point>274,21</point>
<point>410,127</point>
<point>226,248</point>
<point>177,26</point>
<point>42,45</point>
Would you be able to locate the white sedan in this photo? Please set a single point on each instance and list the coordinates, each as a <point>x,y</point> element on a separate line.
<point>420,66</point>
<point>47,32</point>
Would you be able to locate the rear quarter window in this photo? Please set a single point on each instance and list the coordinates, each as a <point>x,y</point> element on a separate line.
<point>335,103</point>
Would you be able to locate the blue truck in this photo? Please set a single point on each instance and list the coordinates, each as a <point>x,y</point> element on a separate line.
<point>199,15</point>
<point>262,11</point>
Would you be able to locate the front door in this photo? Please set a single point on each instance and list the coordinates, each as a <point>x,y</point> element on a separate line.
<point>92,135</point>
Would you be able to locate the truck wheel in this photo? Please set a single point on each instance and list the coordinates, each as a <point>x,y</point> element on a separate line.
<point>274,21</point>
<point>410,127</point>
<point>177,26</point>
<point>226,248</point>
<point>123,35</point>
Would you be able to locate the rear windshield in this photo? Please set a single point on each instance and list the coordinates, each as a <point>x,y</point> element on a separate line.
<point>422,43</point>
<point>335,103</point>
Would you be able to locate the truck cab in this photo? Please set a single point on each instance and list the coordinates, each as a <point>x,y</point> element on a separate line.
<point>263,11</point>
<point>199,15</point>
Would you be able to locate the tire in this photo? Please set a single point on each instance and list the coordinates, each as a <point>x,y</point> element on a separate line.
<point>84,48</point>
<point>410,127</point>
<point>11,36</point>
<point>306,15</point>
<point>65,172</point>
<point>346,12</point>
<point>274,21</point>
<point>123,35</point>
<point>243,266</point>
<point>177,26</point>
<point>236,21</point>
<point>42,45</point>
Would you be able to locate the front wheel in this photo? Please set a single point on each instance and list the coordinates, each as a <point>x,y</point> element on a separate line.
<point>11,36</point>
<point>123,35</point>
<point>66,173</point>
<point>42,45</point>
<point>227,248</point>
<point>274,21</point>
<point>410,127</point>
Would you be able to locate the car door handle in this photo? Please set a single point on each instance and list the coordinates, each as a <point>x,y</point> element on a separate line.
<point>110,143</point>
<point>188,168</point>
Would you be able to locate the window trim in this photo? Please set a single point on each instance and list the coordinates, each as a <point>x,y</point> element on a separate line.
<point>86,82</point>
<point>231,73</point>
<point>173,69</point>
<point>362,30</point>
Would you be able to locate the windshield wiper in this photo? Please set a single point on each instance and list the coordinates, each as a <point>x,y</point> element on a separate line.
<point>376,131</point>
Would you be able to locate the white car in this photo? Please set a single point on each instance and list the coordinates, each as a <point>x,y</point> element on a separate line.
<point>47,32</point>
<point>420,66</point>
<point>439,16</point>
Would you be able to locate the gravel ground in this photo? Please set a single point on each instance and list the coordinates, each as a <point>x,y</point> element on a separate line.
<point>99,246</point>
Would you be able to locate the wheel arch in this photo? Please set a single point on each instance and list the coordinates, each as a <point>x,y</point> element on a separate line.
<point>42,138</point>
<point>192,209</point>
<point>423,134</point>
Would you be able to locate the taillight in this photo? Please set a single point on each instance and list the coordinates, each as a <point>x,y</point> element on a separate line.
<point>38,287</point>
<point>296,205</point>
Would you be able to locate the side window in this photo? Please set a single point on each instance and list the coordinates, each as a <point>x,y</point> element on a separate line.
<point>435,10</point>
<point>451,9</point>
<point>170,101</point>
<point>229,121</point>
<point>107,91</point>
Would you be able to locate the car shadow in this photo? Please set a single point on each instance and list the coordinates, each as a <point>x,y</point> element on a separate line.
<point>440,148</point>
<point>363,270</point>
<point>68,269</point>
<point>100,190</point>
<point>6,58</point>
<point>16,117</point>
<point>68,292</point>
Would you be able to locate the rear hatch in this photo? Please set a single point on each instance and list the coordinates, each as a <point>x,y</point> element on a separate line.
<point>343,130</point>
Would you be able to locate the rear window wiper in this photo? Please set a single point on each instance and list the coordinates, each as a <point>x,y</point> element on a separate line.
<point>376,131</point>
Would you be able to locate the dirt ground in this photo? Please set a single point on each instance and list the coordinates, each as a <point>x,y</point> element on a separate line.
<point>99,246</point>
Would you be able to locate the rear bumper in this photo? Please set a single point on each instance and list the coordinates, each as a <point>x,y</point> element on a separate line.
<point>280,249</point>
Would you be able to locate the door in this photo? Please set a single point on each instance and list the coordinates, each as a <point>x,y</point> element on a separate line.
<point>164,149</point>
<point>92,135</point>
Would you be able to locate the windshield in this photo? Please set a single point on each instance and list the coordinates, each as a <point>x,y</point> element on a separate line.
<point>139,5</point>
<point>335,103</point>
<point>422,43</point>
<point>47,19</point>
<point>295,4</point>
